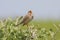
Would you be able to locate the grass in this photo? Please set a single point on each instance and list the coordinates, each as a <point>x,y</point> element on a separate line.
<point>36,30</point>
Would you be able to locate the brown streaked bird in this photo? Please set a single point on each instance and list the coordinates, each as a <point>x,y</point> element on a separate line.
<point>27,18</point>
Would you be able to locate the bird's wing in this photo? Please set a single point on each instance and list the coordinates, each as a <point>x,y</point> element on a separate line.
<point>24,19</point>
<point>31,18</point>
<point>28,20</point>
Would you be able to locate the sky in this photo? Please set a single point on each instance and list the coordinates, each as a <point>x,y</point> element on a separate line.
<point>42,9</point>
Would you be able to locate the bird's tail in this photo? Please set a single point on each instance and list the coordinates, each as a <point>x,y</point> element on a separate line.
<point>18,20</point>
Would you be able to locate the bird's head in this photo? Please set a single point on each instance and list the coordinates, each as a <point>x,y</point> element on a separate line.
<point>30,12</point>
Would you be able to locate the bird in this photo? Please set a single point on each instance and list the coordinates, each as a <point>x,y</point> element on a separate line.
<point>27,18</point>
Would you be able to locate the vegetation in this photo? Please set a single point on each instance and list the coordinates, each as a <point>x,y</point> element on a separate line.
<point>36,30</point>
